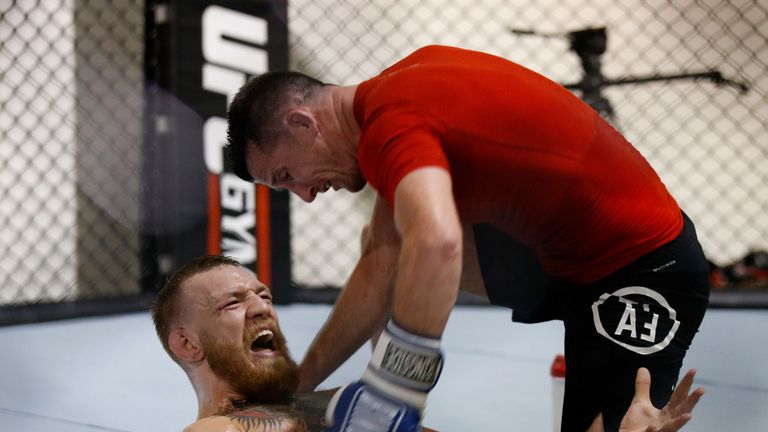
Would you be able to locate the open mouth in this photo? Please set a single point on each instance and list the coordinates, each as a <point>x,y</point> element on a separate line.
<point>264,343</point>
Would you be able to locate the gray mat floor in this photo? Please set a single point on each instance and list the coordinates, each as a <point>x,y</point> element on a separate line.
<point>110,374</point>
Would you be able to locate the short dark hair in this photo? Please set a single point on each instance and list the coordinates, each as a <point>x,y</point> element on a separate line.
<point>254,115</point>
<point>165,308</point>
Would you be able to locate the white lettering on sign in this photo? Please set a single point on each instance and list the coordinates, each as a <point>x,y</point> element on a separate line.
<point>214,139</point>
<point>221,80</point>
<point>238,197</point>
<point>234,46</point>
<point>223,28</point>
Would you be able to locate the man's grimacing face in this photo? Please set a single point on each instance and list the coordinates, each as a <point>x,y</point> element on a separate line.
<point>306,167</point>
<point>240,335</point>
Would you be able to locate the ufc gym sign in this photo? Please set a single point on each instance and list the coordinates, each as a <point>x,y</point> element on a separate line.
<point>231,42</point>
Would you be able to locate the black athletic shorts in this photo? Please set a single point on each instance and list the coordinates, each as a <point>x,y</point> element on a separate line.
<point>645,314</point>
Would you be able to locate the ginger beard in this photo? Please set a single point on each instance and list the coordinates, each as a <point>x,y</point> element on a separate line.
<point>261,370</point>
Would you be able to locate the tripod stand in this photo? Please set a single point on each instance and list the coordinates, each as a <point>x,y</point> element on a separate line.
<point>590,45</point>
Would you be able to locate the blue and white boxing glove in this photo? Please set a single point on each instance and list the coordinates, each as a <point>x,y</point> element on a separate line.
<point>392,394</point>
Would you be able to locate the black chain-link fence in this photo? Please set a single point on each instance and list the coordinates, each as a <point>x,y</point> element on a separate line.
<point>687,82</point>
<point>70,138</point>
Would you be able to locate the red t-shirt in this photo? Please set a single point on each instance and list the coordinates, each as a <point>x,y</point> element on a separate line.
<point>524,154</point>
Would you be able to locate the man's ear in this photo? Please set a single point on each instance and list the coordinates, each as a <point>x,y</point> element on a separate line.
<point>185,345</point>
<point>300,120</point>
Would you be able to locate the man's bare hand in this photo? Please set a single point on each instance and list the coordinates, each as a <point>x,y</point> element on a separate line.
<point>642,416</point>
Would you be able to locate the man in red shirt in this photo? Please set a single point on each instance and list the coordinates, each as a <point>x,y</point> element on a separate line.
<point>492,177</point>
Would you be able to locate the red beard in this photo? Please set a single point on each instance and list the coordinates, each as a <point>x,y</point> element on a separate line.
<point>260,380</point>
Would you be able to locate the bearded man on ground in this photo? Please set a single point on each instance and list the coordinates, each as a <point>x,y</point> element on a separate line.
<point>216,320</point>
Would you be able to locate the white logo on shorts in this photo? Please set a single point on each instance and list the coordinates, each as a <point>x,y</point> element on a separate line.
<point>629,328</point>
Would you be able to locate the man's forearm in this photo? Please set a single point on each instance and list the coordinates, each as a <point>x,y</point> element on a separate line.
<point>313,405</point>
<point>361,309</point>
<point>427,285</point>
<point>363,306</point>
<point>430,262</point>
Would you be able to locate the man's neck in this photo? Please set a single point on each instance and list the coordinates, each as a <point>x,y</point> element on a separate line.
<point>337,106</point>
<point>214,397</point>
<point>345,106</point>
<point>228,406</point>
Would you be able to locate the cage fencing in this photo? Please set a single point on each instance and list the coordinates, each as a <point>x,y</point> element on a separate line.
<point>685,81</point>
<point>70,140</point>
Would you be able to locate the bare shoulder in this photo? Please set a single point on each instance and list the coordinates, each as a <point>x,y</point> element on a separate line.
<point>306,413</point>
<point>269,418</point>
<point>213,424</point>
<point>253,419</point>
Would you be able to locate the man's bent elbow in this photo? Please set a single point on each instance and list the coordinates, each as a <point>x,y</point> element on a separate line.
<point>445,245</point>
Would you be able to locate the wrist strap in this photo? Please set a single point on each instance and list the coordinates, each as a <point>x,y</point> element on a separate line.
<point>407,360</point>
